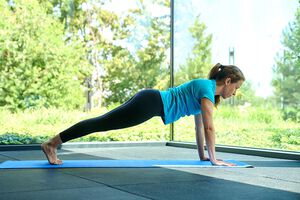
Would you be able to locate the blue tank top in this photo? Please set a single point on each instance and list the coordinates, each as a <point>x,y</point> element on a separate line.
<point>185,99</point>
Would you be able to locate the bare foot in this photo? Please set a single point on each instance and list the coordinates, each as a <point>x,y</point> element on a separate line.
<point>50,152</point>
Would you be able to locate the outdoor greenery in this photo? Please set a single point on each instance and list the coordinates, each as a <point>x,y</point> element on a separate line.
<point>199,63</point>
<point>242,126</point>
<point>48,64</point>
<point>52,53</point>
<point>257,126</point>
<point>287,71</point>
<point>34,126</point>
<point>38,69</point>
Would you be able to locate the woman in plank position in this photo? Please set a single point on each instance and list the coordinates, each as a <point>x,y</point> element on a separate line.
<point>196,97</point>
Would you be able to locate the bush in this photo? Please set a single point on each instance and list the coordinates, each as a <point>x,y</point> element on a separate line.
<point>291,113</point>
<point>249,126</point>
<point>38,68</point>
<point>16,138</point>
<point>286,138</point>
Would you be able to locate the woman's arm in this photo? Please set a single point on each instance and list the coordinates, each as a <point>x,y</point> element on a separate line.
<point>200,136</point>
<point>209,131</point>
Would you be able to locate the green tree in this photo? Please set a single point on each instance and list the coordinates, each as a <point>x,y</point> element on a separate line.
<point>198,63</point>
<point>145,66</point>
<point>123,71</point>
<point>151,58</point>
<point>88,22</point>
<point>38,68</point>
<point>100,30</point>
<point>286,80</point>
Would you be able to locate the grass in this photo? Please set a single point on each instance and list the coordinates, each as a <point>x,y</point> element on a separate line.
<point>251,127</point>
<point>49,122</point>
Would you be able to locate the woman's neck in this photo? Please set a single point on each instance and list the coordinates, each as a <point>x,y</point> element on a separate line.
<point>219,88</point>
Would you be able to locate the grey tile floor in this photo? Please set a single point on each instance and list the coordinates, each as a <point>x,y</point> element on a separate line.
<point>270,179</point>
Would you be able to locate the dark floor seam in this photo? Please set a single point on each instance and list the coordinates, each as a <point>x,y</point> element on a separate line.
<point>162,182</point>
<point>110,186</point>
<point>9,157</point>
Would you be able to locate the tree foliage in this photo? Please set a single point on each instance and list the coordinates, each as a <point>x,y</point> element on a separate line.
<point>38,69</point>
<point>143,67</point>
<point>286,79</point>
<point>119,71</point>
<point>198,63</point>
<point>46,64</point>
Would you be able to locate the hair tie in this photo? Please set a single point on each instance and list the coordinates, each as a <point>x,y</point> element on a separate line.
<point>221,67</point>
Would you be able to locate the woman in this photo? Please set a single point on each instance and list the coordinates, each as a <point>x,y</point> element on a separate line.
<point>196,97</point>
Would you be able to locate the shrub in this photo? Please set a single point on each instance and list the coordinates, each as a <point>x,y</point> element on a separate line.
<point>16,138</point>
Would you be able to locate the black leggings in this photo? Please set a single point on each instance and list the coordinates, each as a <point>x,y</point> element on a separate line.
<point>141,107</point>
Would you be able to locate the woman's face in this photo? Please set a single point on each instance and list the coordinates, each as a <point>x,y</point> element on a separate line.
<point>230,89</point>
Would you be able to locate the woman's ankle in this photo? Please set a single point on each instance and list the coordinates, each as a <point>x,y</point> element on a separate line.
<point>55,141</point>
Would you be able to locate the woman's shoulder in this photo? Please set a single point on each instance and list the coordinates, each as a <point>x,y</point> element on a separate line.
<point>199,83</point>
<point>202,85</point>
<point>202,81</point>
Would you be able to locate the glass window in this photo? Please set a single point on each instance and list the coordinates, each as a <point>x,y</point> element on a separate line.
<point>260,37</point>
<point>85,59</point>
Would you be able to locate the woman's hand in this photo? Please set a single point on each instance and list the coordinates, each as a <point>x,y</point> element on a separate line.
<point>222,163</point>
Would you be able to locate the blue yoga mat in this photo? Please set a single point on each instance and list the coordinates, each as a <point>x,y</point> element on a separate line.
<point>35,164</point>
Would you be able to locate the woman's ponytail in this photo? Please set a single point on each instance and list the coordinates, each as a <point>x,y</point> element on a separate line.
<point>214,71</point>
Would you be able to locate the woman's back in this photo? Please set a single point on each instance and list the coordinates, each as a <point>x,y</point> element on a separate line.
<point>185,99</point>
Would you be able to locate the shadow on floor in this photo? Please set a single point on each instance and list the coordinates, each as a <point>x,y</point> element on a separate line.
<point>128,183</point>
